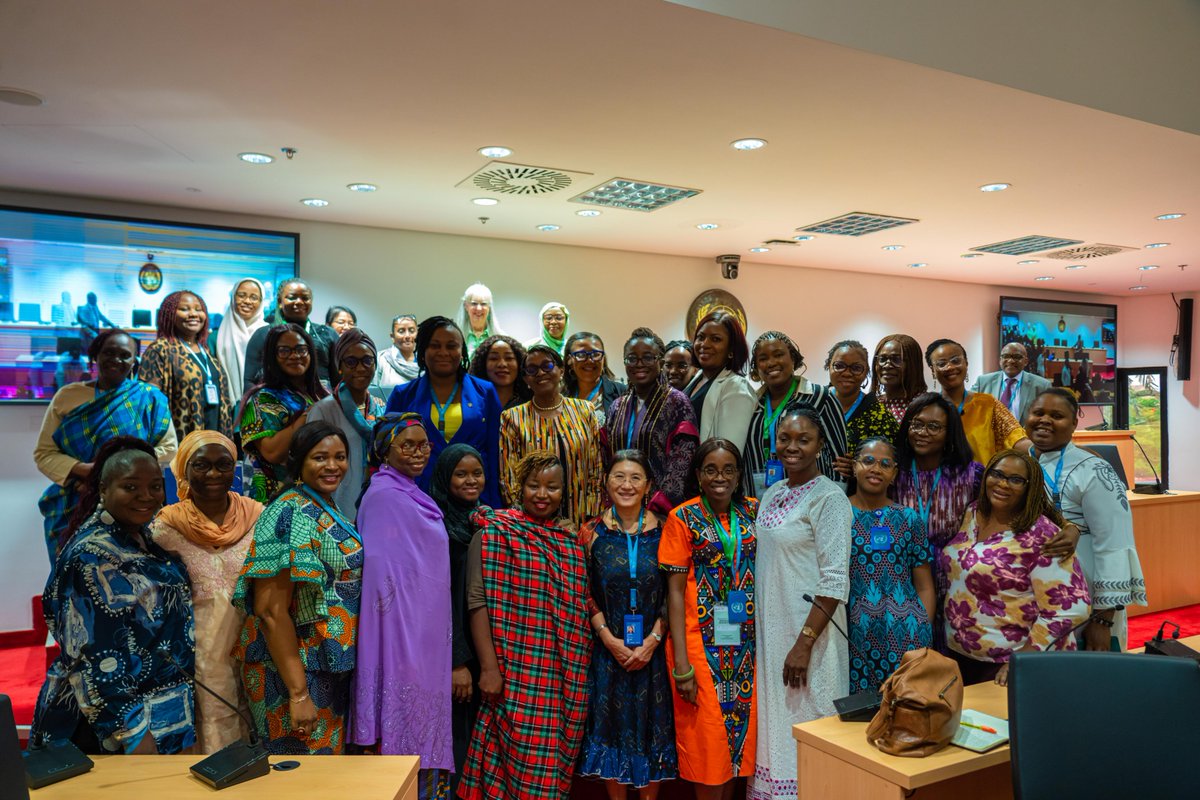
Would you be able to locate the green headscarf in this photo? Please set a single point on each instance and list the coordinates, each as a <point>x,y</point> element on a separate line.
<point>549,340</point>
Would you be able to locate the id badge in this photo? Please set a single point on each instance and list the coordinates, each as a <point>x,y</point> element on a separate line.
<point>881,537</point>
<point>725,633</point>
<point>211,396</point>
<point>737,607</point>
<point>633,630</point>
<point>774,472</point>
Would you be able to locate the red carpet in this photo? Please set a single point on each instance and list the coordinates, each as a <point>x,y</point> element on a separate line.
<point>22,670</point>
<point>1146,626</point>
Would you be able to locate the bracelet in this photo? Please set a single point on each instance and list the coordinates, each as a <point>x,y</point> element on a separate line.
<point>691,673</point>
<point>1108,623</point>
<point>603,627</point>
<point>657,637</point>
<point>299,699</point>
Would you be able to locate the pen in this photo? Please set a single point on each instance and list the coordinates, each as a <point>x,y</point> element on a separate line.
<point>983,728</point>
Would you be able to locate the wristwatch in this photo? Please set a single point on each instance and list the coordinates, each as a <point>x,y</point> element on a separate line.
<point>657,637</point>
<point>809,632</point>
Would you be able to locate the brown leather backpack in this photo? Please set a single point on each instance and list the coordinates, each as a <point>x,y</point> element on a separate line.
<point>922,705</point>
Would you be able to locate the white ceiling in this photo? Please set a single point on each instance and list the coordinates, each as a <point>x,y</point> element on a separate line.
<point>146,99</point>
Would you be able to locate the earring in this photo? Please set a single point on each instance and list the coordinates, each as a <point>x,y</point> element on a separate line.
<point>105,517</point>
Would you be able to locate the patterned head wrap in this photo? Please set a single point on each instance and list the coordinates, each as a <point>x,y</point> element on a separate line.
<point>387,428</point>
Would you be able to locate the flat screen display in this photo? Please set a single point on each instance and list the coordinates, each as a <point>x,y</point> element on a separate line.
<point>61,274</point>
<point>1074,345</point>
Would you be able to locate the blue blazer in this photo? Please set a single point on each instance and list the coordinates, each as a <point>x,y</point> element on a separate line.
<point>480,427</point>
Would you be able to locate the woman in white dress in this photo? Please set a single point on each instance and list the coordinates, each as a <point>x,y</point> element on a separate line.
<point>1087,491</point>
<point>243,317</point>
<point>804,527</point>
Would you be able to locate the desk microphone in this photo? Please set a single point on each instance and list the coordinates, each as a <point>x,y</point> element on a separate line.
<point>860,706</point>
<point>234,763</point>
<point>1170,647</point>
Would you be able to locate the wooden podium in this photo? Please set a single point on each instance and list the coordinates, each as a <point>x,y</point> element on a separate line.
<point>1122,440</point>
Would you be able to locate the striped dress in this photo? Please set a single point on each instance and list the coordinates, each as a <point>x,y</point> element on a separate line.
<point>574,436</point>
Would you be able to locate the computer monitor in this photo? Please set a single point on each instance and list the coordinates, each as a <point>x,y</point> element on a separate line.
<point>1110,454</point>
<point>6,311</point>
<point>69,344</point>
<point>29,312</point>
<point>141,318</point>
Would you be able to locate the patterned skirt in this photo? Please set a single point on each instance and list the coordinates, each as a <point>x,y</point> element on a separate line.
<point>268,699</point>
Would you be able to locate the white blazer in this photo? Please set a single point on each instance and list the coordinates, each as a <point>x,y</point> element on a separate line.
<point>727,409</point>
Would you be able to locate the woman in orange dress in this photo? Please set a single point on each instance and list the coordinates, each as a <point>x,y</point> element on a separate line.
<point>708,547</point>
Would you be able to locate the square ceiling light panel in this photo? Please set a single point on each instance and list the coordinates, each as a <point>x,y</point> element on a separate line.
<point>1025,244</point>
<point>634,195</point>
<point>857,223</point>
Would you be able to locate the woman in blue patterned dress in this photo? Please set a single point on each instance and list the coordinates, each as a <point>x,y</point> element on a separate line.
<point>630,735</point>
<point>891,581</point>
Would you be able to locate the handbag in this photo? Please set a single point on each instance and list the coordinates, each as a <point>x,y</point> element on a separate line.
<point>922,705</point>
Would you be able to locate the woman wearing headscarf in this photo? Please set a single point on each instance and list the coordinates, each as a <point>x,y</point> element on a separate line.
<point>353,409</point>
<point>401,696</point>
<point>555,319</point>
<point>242,318</point>
<point>293,305</point>
<point>208,530</point>
<point>456,485</point>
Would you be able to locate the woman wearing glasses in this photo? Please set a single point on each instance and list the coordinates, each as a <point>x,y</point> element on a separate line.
<point>655,419</point>
<point>587,374</point>
<point>476,317</point>
<point>891,605</point>
<point>275,409</point>
<point>848,366</point>
<point>208,530</point>
<point>989,425</point>
<point>352,409</point>
<point>562,425</point>
<point>898,374</point>
<point>555,318</point>
<point>708,549</point>
<point>1006,594</point>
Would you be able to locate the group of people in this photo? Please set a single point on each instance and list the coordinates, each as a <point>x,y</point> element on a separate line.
<point>523,570</point>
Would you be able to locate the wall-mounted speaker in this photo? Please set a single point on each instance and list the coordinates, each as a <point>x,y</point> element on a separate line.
<point>1183,341</point>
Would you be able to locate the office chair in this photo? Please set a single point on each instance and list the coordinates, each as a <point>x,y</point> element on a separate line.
<point>1103,725</point>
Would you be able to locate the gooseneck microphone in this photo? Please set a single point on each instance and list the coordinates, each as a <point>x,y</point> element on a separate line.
<point>859,706</point>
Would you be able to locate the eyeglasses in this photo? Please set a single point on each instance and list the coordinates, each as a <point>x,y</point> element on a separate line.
<point>857,370</point>
<point>224,466</point>
<point>945,363</point>
<point>711,472</point>
<point>1015,481</point>
<point>632,480</point>
<point>870,461</point>
<point>1013,357</point>
<point>588,355</point>
<point>894,361</point>
<point>411,448</point>
<point>932,428</point>
<point>553,318</point>
<point>647,360</point>
<point>299,351</point>
<point>546,367</point>
<point>247,296</point>
<point>478,304</point>
<point>354,362</point>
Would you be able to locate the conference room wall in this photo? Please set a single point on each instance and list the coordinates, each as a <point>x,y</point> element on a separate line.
<point>381,272</point>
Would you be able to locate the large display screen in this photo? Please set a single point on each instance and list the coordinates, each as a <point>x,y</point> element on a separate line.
<point>63,275</point>
<point>1072,344</point>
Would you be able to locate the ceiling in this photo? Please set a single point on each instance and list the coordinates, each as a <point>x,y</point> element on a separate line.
<point>151,102</point>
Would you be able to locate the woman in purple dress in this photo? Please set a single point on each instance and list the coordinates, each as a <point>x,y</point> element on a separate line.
<point>401,696</point>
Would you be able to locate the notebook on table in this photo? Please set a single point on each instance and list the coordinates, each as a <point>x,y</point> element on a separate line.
<point>971,735</point>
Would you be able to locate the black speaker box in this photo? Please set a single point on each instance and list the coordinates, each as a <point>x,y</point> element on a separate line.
<point>1183,350</point>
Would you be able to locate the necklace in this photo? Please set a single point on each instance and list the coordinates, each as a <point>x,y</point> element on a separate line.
<point>554,407</point>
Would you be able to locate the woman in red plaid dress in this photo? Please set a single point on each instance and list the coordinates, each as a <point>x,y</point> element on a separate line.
<point>527,595</point>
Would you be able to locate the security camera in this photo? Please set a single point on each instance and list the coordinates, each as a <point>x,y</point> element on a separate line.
<point>729,265</point>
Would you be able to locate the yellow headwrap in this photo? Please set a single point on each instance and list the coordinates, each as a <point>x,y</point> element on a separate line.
<point>189,447</point>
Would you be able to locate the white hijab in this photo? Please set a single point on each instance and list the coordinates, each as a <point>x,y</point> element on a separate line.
<point>234,334</point>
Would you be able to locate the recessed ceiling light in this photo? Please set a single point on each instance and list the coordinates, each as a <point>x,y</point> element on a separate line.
<point>1137,288</point>
<point>20,97</point>
<point>256,158</point>
<point>760,249</point>
<point>587,212</point>
<point>971,255</point>
<point>362,187</point>
<point>495,151</point>
<point>918,265</point>
<point>1155,245</point>
<point>315,202</point>
<point>1148,267</point>
<point>547,228</point>
<point>748,144</point>
<point>1173,215</point>
<point>892,247</point>
<point>804,238</point>
<point>1044,278</point>
<point>994,187</point>
<point>1077,266</point>
<point>708,226</point>
<point>485,201</point>
<point>1028,261</point>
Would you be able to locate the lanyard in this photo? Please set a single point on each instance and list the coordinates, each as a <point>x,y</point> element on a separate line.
<point>205,366</point>
<point>635,416</point>
<point>443,408</point>
<point>333,512</point>
<point>921,509</point>
<point>591,398</point>
<point>848,414</point>
<point>963,404</point>
<point>729,539</point>
<point>631,544</point>
<point>771,418</point>
<point>1055,493</point>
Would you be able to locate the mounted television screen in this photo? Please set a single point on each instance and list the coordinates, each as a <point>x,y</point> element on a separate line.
<point>56,267</point>
<point>1072,344</point>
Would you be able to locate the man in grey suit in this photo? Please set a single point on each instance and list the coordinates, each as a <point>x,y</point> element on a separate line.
<point>1012,386</point>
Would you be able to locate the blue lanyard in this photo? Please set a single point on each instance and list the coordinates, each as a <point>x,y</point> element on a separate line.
<point>1055,493</point>
<point>596,390</point>
<point>848,414</point>
<point>333,512</point>
<point>921,509</point>
<point>442,409</point>
<point>963,404</point>
<point>631,545</point>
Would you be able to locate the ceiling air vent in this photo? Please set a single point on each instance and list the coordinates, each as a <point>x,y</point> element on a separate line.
<point>1088,251</point>
<point>1025,244</point>
<point>781,243</point>
<point>857,223</point>
<point>633,195</point>
<point>501,177</point>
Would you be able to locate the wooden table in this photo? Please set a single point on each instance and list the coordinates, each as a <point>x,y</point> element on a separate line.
<point>1166,528</point>
<point>168,778</point>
